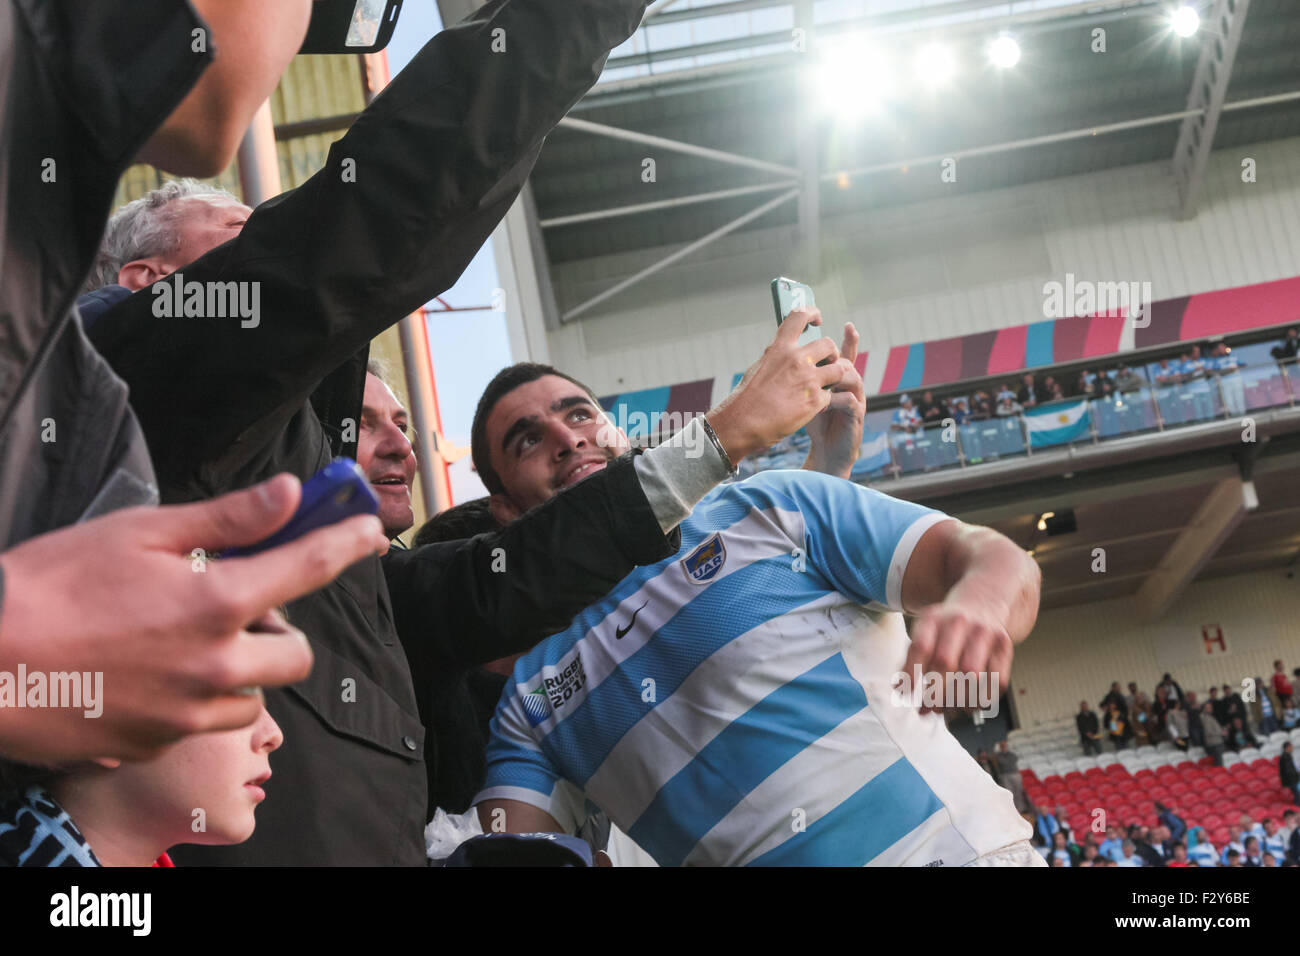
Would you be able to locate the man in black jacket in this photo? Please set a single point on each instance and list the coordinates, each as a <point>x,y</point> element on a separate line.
<point>443,152</point>
<point>1089,729</point>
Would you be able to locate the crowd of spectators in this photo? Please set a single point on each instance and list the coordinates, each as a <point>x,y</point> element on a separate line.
<point>1010,398</point>
<point>1224,721</point>
<point>1220,723</point>
<point>1171,843</point>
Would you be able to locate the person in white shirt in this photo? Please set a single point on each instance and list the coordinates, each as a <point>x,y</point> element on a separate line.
<point>1130,857</point>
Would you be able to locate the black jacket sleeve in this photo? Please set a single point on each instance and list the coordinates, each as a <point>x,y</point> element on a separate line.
<point>469,602</point>
<point>404,201</point>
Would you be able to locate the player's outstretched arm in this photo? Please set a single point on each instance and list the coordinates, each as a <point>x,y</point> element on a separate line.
<point>975,594</point>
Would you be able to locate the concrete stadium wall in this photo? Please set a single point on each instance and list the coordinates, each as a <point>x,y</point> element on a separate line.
<point>973,263</point>
<point>1074,653</point>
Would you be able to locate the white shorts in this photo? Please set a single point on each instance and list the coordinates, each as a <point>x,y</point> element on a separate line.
<point>1017,854</point>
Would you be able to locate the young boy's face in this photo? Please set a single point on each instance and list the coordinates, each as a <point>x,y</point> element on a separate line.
<point>221,774</point>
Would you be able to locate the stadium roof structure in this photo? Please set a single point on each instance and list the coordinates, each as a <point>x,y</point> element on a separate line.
<point>718,92</point>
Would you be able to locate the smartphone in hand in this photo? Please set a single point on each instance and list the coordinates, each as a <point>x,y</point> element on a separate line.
<point>335,493</point>
<point>788,295</point>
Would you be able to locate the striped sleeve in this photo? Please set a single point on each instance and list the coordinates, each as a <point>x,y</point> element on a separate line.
<point>859,538</point>
<point>517,769</point>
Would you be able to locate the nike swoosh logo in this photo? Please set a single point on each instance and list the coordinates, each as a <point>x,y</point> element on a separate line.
<point>621,632</point>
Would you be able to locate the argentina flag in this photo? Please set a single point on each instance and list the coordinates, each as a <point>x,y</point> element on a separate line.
<point>1058,423</point>
<point>874,454</point>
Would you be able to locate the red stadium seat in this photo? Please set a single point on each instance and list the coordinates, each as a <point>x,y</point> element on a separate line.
<point>1206,761</point>
<point>1095,773</point>
<point>1074,777</point>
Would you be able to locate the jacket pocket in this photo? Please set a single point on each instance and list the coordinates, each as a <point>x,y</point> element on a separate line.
<point>353,705</point>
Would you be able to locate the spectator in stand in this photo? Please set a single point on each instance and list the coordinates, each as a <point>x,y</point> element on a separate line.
<point>1118,727</point>
<point>1113,845</point>
<point>1009,774</point>
<point>1269,859</point>
<point>1217,705</point>
<point>932,412</point>
<point>990,767</point>
<point>1180,856</point>
<point>1287,771</point>
<point>1089,729</point>
<point>1199,848</point>
<point>1176,725</point>
<point>1171,821</point>
<point>1141,719</point>
<point>1087,385</point>
<point>1195,736</point>
<point>1289,348</point>
<point>1008,406</point>
<point>1128,855</point>
<point>1274,840</point>
<point>1194,364</point>
<point>1239,736</point>
<point>1046,826</point>
<point>1126,380</point>
<point>959,412</point>
<point>1114,696</point>
<point>1212,731</point>
<point>1149,846</point>
<point>1063,850</point>
<point>1226,366</point>
<point>906,418</point>
<point>1232,858</point>
<point>1172,690</point>
<point>981,406</point>
<point>1254,855</point>
<point>1054,390</point>
<point>1281,683</point>
<point>1293,844</point>
<point>1263,712</point>
<point>1089,855</point>
<point>1130,697</point>
<point>1160,714</point>
<point>1236,843</point>
<point>1168,373</point>
<point>1250,828</point>
<point>1108,392</point>
<point>1290,714</point>
<point>1233,705</point>
<point>1030,394</point>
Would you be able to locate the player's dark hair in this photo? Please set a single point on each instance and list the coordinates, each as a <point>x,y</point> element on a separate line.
<point>463,521</point>
<point>505,382</point>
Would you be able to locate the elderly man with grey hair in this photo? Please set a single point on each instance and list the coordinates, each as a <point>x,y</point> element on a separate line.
<point>154,236</point>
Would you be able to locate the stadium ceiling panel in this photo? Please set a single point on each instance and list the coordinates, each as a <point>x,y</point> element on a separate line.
<point>722,78</point>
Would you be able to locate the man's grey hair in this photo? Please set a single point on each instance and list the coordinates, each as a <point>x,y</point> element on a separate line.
<point>148,227</point>
<point>379,369</point>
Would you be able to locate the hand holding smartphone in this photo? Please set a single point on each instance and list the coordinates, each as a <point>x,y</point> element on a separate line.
<point>335,493</point>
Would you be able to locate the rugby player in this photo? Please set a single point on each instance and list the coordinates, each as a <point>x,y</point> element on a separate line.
<point>736,703</point>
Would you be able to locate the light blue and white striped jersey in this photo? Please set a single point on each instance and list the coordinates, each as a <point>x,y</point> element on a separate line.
<point>733,704</point>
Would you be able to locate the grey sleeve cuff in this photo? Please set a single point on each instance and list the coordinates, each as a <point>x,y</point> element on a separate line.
<point>678,473</point>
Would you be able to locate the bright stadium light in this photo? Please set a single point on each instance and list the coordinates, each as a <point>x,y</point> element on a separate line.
<point>935,64</point>
<point>1004,52</point>
<point>852,79</point>
<point>1185,21</point>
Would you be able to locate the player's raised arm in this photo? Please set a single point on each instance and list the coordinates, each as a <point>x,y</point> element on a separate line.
<point>975,594</point>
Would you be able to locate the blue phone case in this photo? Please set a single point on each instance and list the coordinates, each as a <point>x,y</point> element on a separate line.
<point>336,492</point>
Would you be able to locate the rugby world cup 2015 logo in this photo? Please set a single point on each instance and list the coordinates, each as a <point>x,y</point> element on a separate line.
<point>536,707</point>
<point>703,564</point>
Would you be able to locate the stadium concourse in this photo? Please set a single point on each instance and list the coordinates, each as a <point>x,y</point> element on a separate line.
<point>1127,784</point>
